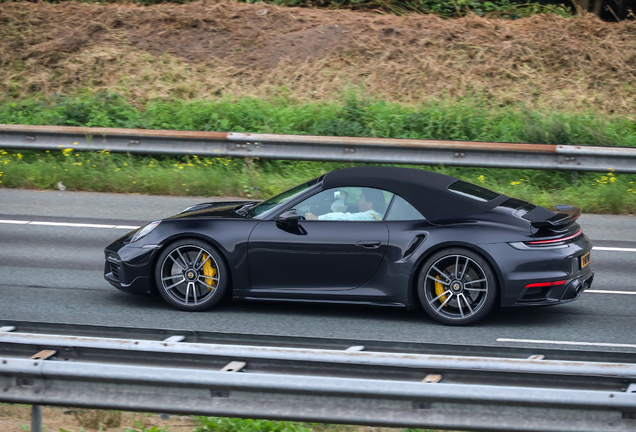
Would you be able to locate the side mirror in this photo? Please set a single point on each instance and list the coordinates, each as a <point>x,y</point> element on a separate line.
<point>288,219</point>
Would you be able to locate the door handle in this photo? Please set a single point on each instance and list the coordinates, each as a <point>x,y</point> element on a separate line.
<point>369,244</point>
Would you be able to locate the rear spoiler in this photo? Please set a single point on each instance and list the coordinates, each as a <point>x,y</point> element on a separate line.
<point>566,215</point>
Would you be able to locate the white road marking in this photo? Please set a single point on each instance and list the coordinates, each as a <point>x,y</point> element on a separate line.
<point>68,224</point>
<point>609,292</point>
<point>614,249</point>
<point>75,225</point>
<point>538,341</point>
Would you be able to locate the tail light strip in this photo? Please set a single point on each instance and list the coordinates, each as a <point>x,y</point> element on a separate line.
<point>559,240</point>
<point>545,284</point>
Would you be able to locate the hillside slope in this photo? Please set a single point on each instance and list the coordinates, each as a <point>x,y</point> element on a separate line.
<point>211,49</point>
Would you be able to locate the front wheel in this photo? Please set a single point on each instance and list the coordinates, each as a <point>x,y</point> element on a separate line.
<point>457,287</point>
<point>191,275</point>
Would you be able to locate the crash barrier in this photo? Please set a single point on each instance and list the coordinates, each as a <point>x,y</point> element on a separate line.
<point>317,380</point>
<point>321,148</point>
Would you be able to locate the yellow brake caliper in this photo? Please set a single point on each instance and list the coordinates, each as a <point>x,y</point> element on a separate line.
<point>439,290</point>
<point>209,271</point>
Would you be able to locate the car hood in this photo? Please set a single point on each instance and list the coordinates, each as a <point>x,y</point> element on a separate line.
<point>214,210</point>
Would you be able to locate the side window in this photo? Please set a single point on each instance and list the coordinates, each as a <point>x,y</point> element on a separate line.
<point>345,204</point>
<point>401,210</point>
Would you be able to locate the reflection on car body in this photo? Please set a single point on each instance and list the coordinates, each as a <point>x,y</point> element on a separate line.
<point>434,242</point>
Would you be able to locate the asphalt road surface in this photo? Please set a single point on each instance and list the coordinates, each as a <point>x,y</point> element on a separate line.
<point>51,269</point>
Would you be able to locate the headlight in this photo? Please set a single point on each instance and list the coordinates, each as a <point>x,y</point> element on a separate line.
<point>143,232</point>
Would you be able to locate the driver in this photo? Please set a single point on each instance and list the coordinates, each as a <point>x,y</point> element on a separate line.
<point>370,204</point>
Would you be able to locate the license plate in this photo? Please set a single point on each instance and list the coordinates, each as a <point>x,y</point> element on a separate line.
<point>585,260</point>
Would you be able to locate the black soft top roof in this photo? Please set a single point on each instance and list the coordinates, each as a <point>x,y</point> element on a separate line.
<point>426,191</point>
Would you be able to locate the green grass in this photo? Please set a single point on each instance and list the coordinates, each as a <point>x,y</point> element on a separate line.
<point>140,428</point>
<point>219,424</point>
<point>472,119</point>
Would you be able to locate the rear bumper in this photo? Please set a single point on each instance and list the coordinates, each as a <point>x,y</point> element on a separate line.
<point>566,293</point>
<point>519,267</point>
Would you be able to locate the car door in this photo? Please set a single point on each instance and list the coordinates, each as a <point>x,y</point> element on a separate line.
<point>319,254</point>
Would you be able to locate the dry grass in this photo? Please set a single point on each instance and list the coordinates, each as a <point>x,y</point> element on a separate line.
<point>207,49</point>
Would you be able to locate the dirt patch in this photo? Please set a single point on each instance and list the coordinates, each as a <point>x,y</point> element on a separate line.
<point>302,45</point>
<point>211,49</point>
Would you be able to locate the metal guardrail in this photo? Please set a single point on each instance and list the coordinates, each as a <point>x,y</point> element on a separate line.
<point>350,356</point>
<point>319,148</point>
<point>311,384</point>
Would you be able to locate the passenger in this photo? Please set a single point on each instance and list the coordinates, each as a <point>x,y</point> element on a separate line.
<point>371,206</point>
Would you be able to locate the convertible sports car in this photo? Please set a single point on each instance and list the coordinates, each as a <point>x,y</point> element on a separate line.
<point>381,236</point>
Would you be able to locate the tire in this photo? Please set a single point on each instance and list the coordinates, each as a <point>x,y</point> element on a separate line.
<point>456,286</point>
<point>191,275</point>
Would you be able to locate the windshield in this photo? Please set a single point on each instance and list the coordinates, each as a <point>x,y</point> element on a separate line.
<point>282,198</point>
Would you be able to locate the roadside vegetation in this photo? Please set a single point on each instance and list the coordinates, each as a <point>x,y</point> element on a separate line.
<point>471,118</point>
<point>16,418</point>
<point>355,116</point>
<point>106,172</point>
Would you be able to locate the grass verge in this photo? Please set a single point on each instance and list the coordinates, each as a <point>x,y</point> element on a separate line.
<point>251,178</point>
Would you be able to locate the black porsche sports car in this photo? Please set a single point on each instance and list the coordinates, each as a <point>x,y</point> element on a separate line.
<point>382,236</point>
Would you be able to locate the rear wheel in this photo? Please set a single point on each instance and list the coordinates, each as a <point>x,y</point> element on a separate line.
<point>191,275</point>
<point>457,287</point>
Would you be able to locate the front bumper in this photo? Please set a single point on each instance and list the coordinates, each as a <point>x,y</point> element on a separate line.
<point>129,269</point>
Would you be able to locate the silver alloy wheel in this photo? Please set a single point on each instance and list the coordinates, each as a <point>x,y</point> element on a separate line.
<point>456,287</point>
<point>190,275</point>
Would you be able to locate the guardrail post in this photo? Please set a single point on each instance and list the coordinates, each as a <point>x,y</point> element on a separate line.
<point>36,418</point>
